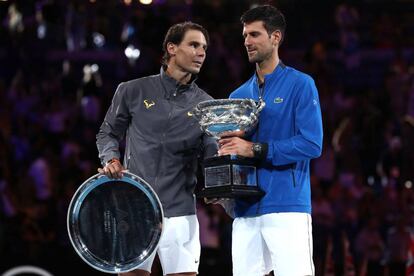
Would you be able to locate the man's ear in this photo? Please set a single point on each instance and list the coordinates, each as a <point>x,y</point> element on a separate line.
<point>171,48</point>
<point>277,37</point>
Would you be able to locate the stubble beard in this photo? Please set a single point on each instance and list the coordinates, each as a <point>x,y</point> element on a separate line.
<point>260,57</point>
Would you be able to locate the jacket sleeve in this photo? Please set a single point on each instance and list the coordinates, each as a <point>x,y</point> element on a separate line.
<point>114,126</point>
<point>307,142</point>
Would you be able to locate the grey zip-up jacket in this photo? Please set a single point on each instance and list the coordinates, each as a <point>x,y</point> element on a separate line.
<point>163,138</point>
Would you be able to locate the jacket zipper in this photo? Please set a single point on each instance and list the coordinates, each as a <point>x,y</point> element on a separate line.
<point>293,177</point>
<point>163,137</point>
<point>261,93</point>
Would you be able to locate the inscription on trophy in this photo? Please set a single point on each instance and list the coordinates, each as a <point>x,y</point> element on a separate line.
<point>217,176</point>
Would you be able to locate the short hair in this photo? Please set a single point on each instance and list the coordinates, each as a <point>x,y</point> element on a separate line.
<point>176,35</point>
<point>273,19</point>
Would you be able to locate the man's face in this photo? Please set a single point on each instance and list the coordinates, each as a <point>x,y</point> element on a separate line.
<point>259,44</point>
<point>190,54</point>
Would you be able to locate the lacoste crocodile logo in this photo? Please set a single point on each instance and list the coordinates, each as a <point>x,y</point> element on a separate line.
<point>278,100</point>
<point>148,104</point>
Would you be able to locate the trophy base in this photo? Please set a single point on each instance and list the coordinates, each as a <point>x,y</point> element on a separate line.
<point>230,176</point>
<point>231,191</point>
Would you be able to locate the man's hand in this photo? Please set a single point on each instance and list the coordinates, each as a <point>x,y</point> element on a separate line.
<point>235,145</point>
<point>113,169</point>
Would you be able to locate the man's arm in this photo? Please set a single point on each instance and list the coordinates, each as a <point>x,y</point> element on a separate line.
<point>307,143</point>
<point>111,132</point>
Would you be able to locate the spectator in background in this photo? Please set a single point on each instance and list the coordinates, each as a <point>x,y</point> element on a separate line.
<point>369,247</point>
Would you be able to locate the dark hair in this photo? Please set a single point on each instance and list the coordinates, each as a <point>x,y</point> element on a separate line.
<point>273,19</point>
<point>176,35</point>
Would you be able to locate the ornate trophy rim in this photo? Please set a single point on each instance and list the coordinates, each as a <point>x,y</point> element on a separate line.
<point>221,117</point>
<point>73,223</point>
<point>235,101</point>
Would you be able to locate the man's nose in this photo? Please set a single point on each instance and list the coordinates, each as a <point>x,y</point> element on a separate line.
<point>247,41</point>
<point>201,52</point>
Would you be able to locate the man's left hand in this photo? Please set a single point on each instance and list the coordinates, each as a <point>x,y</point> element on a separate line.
<point>235,145</point>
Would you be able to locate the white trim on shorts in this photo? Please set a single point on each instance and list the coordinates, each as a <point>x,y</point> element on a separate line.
<point>179,247</point>
<point>281,242</point>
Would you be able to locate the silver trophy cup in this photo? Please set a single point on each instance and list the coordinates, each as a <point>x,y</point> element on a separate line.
<point>229,176</point>
<point>115,224</point>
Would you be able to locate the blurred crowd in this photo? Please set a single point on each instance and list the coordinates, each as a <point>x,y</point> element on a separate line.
<point>60,62</point>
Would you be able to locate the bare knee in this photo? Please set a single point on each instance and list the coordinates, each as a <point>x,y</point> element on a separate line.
<point>137,272</point>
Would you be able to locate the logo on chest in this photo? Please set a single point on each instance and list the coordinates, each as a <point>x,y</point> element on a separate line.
<point>149,103</point>
<point>278,100</point>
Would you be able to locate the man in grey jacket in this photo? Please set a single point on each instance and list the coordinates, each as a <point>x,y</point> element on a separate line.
<point>163,143</point>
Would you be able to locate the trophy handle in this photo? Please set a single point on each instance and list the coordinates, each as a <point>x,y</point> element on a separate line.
<point>260,105</point>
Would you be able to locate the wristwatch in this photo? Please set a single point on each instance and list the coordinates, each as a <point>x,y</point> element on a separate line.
<point>259,150</point>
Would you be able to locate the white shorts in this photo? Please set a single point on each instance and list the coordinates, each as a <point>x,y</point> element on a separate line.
<point>281,242</point>
<point>179,247</point>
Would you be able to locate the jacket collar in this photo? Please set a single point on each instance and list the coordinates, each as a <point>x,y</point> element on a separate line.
<point>276,72</point>
<point>172,84</point>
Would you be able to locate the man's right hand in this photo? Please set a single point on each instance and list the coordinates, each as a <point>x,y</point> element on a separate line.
<point>112,169</point>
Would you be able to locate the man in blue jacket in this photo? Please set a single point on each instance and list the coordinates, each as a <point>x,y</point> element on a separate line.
<point>275,233</point>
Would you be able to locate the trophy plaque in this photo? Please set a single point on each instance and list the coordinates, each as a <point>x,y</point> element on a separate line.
<point>229,176</point>
<point>114,225</point>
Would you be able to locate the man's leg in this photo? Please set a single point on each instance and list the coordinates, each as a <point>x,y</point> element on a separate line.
<point>179,249</point>
<point>247,248</point>
<point>288,237</point>
<point>137,272</point>
<point>144,269</point>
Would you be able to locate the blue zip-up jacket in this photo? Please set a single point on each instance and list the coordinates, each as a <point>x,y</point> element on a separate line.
<point>291,125</point>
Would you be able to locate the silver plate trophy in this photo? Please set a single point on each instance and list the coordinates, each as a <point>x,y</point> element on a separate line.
<point>229,176</point>
<point>115,224</point>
